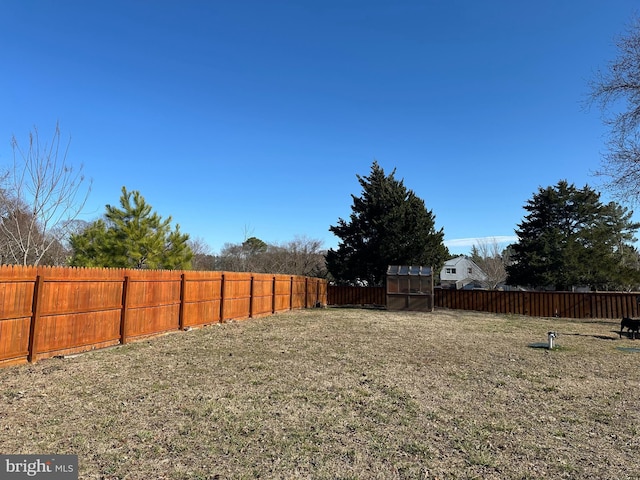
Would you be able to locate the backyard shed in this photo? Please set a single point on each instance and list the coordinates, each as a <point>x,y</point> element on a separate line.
<point>409,288</point>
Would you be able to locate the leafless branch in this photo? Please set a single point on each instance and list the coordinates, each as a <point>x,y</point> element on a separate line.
<point>42,197</point>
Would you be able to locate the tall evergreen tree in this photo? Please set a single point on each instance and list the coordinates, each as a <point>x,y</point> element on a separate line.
<point>389,225</point>
<point>569,238</point>
<point>131,236</point>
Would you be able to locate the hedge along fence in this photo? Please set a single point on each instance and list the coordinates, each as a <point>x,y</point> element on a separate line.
<point>48,311</point>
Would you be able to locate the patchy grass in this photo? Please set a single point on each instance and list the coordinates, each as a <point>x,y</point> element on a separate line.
<point>340,394</point>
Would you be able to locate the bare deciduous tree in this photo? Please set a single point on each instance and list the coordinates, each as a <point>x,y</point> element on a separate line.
<point>301,256</point>
<point>616,91</point>
<point>203,259</point>
<point>41,196</point>
<point>305,257</point>
<point>487,255</point>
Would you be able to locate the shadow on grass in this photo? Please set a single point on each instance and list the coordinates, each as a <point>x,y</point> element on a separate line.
<point>599,337</point>
<point>545,346</point>
<point>368,306</point>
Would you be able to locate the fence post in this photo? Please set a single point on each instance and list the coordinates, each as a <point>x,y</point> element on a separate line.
<point>183,285</point>
<point>222,298</point>
<point>273,295</point>
<point>124,314</point>
<point>291,294</point>
<point>35,319</point>
<point>251,294</point>
<point>306,292</point>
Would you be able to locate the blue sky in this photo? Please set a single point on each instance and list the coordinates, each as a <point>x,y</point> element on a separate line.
<point>253,117</point>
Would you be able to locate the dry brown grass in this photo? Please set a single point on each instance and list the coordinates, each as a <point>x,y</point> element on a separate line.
<point>340,394</point>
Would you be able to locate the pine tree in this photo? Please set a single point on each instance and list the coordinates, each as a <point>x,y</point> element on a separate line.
<point>89,246</point>
<point>570,238</point>
<point>389,225</point>
<point>131,236</point>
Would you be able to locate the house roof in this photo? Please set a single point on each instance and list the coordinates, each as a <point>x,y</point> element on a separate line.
<point>452,262</point>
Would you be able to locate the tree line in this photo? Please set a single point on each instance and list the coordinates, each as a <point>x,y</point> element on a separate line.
<point>42,196</point>
<point>567,238</point>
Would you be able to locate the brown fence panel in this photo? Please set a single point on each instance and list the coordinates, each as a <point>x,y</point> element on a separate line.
<point>622,305</point>
<point>561,304</point>
<point>609,307</point>
<point>78,310</point>
<point>439,298</point>
<point>483,299</point>
<point>46,311</point>
<point>542,304</point>
<point>583,307</point>
<point>261,295</point>
<point>538,304</point>
<point>298,292</point>
<point>550,304</point>
<point>488,300</point>
<point>558,304</point>
<point>521,303</point>
<point>312,293</point>
<point>16,301</point>
<point>282,295</point>
<point>346,295</point>
<point>533,304</point>
<point>237,295</point>
<point>322,291</point>
<point>631,309</point>
<point>153,302</point>
<point>310,290</point>
<point>316,292</point>
<point>595,304</point>
<point>202,298</point>
<point>555,301</point>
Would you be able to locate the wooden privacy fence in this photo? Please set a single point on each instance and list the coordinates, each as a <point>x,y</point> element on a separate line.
<point>47,311</point>
<point>537,304</point>
<point>346,295</point>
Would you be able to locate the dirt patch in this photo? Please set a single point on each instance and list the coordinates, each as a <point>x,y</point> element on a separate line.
<point>340,394</point>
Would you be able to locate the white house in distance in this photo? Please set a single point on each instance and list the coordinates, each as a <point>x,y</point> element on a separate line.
<point>461,272</point>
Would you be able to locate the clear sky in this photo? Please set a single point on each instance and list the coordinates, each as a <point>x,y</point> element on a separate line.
<point>252,117</point>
